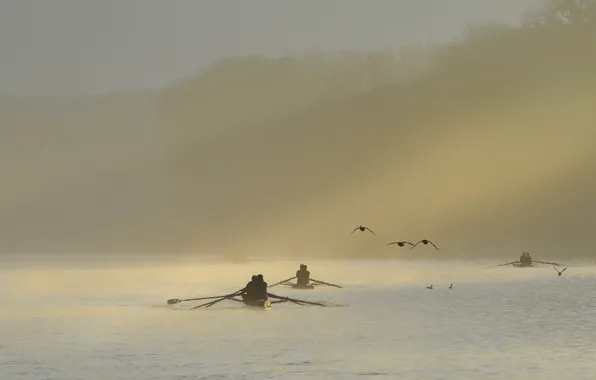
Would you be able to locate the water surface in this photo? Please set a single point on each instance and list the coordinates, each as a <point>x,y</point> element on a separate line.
<point>110,322</point>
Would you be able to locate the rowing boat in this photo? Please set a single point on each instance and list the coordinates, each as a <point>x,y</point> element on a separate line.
<point>522,265</point>
<point>297,286</point>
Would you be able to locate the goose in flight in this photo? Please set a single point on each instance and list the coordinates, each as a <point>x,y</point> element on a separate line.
<point>401,243</point>
<point>362,228</point>
<point>425,242</point>
<point>558,271</point>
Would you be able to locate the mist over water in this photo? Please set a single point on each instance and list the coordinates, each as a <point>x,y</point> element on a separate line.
<point>481,146</point>
<point>112,204</point>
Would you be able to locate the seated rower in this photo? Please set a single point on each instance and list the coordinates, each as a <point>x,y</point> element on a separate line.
<point>248,293</point>
<point>260,288</point>
<point>303,276</point>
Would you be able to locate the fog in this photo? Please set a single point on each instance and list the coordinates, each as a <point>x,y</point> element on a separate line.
<point>484,146</point>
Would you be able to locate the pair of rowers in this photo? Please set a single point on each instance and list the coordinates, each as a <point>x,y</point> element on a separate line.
<point>255,290</point>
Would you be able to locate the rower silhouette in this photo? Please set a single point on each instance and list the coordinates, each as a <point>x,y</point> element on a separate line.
<point>425,242</point>
<point>303,275</point>
<point>401,243</point>
<point>248,293</point>
<point>260,288</point>
<point>362,228</point>
<point>558,271</point>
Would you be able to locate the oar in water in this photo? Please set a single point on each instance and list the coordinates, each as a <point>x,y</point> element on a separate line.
<point>513,262</point>
<point>547,263</point>
<point>175,301</point>
<point>209,304</point>
<point>296,301</point>
<point>324,283</point>
<point>281,282</point>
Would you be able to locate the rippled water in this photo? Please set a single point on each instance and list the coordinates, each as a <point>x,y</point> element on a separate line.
<point>112,323</point>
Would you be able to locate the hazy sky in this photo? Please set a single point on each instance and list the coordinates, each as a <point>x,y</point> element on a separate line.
<point>94,46</point>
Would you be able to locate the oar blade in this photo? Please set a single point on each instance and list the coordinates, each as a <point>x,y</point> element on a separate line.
<point>173,301</point>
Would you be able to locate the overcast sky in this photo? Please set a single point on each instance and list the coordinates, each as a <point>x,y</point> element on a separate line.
<point>96,46</point>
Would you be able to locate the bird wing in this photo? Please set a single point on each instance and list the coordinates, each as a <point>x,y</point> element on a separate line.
<point>433,244</point>
<point>370,230</point>
<point>414,245</point>
<point>354,230</point>
<point>407,242</point>
<point>564,270</point>
<point>555,268</point>
<point>395,242</point>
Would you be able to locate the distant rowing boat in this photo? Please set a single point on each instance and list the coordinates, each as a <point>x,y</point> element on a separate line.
<point>302,287</point>
<point>522,265</point>
<point>532,264</point>
<point>310,286</point>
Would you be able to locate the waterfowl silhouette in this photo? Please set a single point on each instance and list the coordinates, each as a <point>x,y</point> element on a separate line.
<point>451,286</point>
<point>429,287</point>
<point>425,242</point>
<point>362,228</point>
<point>558,271</point>
<point>401,243</point>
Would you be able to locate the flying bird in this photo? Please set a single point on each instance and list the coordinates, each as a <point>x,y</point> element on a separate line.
<point>558,271</point>
<point>362,228</point>
<point>401,243</point>
<point>425,242</point>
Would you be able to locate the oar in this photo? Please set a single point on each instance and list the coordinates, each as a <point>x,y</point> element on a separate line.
<point>295,300</point>
<point>281,282</point>
<point>325,283</point>
<point>546,262</point>
<point>513,262</point>
<point>209,304</point>
<point>174,301</point>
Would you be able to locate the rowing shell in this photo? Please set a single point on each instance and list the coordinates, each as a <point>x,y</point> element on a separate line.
<point>296,286</point>
<point>309,286</point>
<point>520,265</point>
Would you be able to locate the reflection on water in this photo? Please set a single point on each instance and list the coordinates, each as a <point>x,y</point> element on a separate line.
<point>112,323</point>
